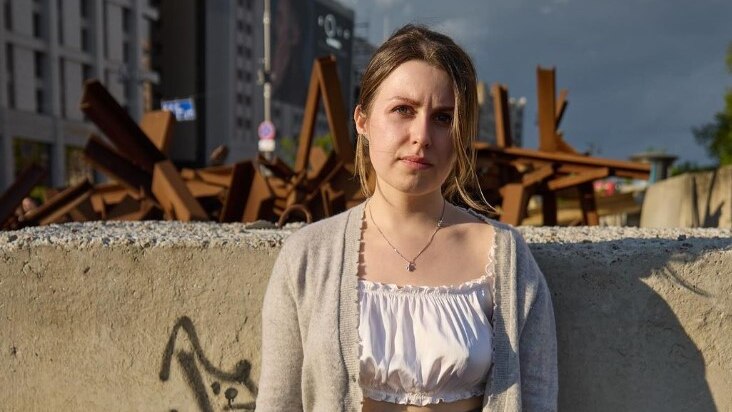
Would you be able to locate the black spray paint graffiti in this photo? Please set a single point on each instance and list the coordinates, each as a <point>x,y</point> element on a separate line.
<point>193,376</point>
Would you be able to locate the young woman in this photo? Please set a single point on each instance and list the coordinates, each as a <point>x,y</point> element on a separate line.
<point>408,302</point>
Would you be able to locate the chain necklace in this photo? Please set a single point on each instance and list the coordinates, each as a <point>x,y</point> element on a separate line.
<point>411,265</point>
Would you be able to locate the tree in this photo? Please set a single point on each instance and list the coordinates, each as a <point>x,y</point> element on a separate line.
<point>716,136</point>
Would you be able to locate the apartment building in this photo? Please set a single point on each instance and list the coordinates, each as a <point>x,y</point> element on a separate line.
<point>47,49</point>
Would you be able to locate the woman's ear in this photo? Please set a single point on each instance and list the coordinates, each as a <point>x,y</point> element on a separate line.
<point>359,118</point>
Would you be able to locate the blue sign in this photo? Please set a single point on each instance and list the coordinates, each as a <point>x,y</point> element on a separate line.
<point>183,109</point>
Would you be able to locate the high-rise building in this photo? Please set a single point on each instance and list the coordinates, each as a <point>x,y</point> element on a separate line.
<point>47,49</point>
<point>211,51</point>
<point>149,51</point>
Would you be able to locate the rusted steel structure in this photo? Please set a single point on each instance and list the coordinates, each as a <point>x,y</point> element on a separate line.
<point>511,175</point>
<point>145,184</point>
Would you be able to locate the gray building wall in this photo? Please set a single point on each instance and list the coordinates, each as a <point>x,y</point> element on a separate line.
<point>47,49</point>
<point>211,51</point>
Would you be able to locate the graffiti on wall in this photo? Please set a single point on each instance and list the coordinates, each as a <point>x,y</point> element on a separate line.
<point>198,369</point>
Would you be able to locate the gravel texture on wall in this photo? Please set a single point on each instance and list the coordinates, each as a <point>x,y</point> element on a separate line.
<point>165,315</point>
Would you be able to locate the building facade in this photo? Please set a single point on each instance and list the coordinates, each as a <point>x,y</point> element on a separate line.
<point>47,49</point>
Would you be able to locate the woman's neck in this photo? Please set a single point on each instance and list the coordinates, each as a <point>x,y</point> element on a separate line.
<point>400,209</point>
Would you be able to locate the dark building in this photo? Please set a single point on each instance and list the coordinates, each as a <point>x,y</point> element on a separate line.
<point>211,51</point>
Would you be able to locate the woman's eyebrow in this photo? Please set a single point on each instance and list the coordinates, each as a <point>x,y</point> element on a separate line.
<point>416,103</point>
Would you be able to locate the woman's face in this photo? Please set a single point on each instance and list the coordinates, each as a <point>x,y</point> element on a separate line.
<point>409,129</point>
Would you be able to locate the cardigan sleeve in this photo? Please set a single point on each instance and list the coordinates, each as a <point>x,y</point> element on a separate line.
<point>280,378</point>
<point>537,340</point>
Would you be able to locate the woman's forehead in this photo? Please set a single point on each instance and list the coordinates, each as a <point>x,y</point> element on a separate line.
<point>417,81</point>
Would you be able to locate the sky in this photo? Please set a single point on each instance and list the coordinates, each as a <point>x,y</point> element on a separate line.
<point>640,73</point>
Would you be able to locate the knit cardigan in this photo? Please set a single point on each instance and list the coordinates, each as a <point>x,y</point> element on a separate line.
<point>310,342</point>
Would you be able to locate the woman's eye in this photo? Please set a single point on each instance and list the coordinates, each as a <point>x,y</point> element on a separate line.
<point>403,110</point>
<point>443,118</point>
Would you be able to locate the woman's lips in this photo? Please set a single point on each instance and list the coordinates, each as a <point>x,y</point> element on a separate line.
<point>416,162</point>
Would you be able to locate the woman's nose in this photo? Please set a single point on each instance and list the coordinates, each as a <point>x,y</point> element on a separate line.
<point>422,133</point>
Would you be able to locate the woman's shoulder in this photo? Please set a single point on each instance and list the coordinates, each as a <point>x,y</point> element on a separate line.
<point>498,226</point>
<point>320,233</point>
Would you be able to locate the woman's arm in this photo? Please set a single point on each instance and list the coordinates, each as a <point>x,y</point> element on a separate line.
<point>279,382</point>
<point>537,340</point>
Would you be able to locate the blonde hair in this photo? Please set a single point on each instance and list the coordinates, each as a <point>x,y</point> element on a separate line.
<point>413,42</point>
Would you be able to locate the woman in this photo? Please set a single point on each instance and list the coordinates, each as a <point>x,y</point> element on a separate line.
<point>408,302</point>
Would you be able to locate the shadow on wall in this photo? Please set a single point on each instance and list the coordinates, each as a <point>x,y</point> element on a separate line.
<point>622,345</point>
<point>196,377</point>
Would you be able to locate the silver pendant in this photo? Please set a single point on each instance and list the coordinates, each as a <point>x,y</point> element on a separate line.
<point>411,266</point>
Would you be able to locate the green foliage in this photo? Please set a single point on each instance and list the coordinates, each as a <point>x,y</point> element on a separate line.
<point>689,167</point>
<point>287,147</point>
<point>325,142</point>
<point>716,136</point>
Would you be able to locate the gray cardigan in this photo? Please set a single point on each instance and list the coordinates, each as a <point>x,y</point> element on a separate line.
<point>310,342</point>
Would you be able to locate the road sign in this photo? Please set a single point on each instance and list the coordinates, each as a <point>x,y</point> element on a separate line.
<point>266,130</point>
<point>183,109</point>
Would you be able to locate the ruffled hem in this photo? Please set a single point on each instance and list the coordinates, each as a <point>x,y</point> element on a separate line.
<point>371,286</point>
<point>421,398</point>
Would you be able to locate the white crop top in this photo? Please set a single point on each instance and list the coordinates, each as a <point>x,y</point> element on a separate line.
<point>422,345</point>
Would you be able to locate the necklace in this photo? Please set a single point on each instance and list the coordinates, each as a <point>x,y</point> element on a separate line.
<point>411,263</point>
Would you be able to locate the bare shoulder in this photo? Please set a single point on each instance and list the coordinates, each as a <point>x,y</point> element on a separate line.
<point>470,227</point>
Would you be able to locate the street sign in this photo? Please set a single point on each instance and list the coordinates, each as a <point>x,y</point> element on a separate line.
<point>183,109</point>
<point>266,130</point>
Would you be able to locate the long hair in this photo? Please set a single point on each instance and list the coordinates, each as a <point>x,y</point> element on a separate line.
<point>414,42</point>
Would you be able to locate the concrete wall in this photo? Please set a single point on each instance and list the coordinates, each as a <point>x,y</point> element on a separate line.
<point>165,316</point>
<point>690,200</point>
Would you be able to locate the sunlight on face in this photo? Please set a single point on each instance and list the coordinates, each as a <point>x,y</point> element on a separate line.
<point>409,129</point>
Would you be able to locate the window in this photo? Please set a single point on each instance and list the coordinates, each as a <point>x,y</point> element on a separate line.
<point>27,152</point>
<point>40,101</point>
<point>60,20</point>
<point>126,20</point>
<point>37,25</point>
<point>10,69</point>
<point>62,88</point>
<point>86,71</point>
<point>10,65</point>
<point>38,61</point>
<point>84,9</point>
<point>77,169</point>
<point>85,40</point>
<point>8,15</point>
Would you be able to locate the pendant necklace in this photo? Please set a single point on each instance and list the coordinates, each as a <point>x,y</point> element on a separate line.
<point>411,263</point>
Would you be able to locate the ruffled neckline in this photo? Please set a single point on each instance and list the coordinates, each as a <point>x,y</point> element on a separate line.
<point>468,286</point>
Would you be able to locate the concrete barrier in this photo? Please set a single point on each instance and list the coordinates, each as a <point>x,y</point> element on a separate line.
<point>701,199</point>
<point>165,316</point>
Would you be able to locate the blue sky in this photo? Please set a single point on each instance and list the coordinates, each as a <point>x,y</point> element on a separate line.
<point>640,73</point>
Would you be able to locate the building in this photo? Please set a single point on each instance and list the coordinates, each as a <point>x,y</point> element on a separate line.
<point>150,51</point>
<point>301,32</point>
<point>487,121</point>
<point>362,52</point>
<point>212,51</point>
<point>209,51</point>
<point>47,49</point>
